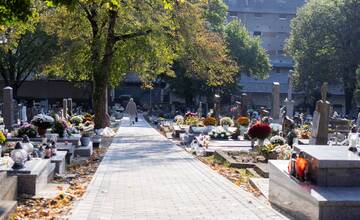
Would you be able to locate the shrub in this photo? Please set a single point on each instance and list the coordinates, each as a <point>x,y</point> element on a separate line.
<point>243,121</point>
<point>26,129</point>
<point>210,121</point>
<point>259,131</point>
<point>226,121</point>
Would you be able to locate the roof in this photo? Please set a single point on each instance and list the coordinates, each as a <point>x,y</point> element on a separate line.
<point>265,6</point>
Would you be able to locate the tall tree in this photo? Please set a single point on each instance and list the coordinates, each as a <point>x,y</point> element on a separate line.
<point>203,60</point>
<point>104,39</point>
<point>247,51</point>
<point>325,45</point>
<point>25,55</point>
<point>15,10</point>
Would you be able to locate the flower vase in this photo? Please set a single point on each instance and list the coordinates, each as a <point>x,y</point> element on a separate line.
<point>261,142</point>
<point>242,130</point>
<point>41,131</point>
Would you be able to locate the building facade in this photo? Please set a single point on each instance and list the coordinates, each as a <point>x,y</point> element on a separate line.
<point>270,20</point>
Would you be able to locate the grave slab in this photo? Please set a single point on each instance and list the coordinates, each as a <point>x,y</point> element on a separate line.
<point>332,165</point>
<point>84,151</point>
<point>7,208</point>
<point>261,184</point>
<point>230,145</point>
<point>305,201</point>
<point>34,176</point>
<point>8,186</point>
<point>68,148</point>
<point>59,160</point>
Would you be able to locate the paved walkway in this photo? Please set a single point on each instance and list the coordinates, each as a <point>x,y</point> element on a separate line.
<point>145,176</point>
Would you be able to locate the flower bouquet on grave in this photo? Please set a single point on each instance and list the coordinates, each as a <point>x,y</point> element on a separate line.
<point>192,121</point>
<point>210,121</point>
<point>267,150</point>
<point>243,121</point>
<point>88,117</point>
<point>76,120</point>
<point>26,129</point>
<point>226,122</point>
<point>179,119</point>
<point>259,131</point>
<point>86,131</point>
<point>219,133</point>
<point>60,127</point>
<point>277,140</point>
<point>42,122</point>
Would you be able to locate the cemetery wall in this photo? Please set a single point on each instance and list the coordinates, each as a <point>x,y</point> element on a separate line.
<point>52,89</point>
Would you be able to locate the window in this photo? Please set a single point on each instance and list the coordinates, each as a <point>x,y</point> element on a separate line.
<point>232,13</point>
<point>277,69</point>
<point>280,52</point>
<point>258,15</point>
<point>257,33</point>
<point>282,17</point>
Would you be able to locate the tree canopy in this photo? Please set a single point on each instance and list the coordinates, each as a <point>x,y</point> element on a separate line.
<point>325,45</point>
<point>15,10</point>
<point>25,54</point>
<point>247,51</point>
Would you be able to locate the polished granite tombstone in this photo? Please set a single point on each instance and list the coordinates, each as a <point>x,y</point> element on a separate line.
<point>332,166</point>
<point>69,148</point>
<point>75,139</point>
<point>34,176</point>
<point>59,160</point>
<point>84,151</point>
<point>332,192</point>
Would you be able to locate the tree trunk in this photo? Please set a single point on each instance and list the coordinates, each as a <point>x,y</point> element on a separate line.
<point>100,104</point>
<point>101,77</point>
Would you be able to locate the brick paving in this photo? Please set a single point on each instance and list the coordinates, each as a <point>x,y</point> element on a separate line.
<point>145,176</point>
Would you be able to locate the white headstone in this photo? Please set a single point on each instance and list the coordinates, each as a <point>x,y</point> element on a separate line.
<point>275,107</point>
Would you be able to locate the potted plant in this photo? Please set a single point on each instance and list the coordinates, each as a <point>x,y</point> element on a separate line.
<point>60,127</point>
<point>28,130</point>
<point>219,133</point>
<point>179,119</point>
<point>210,121</point>
<point>86,132</point>
<point>76,120</point>
<point>260,131</point>
<point>226,122</point>
<point>42,122</point>
<point>243,123</point>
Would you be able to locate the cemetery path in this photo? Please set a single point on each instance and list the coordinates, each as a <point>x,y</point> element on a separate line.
<point>145,176</point>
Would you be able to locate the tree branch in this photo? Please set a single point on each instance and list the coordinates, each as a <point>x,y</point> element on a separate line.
<point>124,37</point>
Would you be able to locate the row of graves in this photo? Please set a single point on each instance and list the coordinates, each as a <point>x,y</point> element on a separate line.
<point>34,150</point>
<point>308,169</point>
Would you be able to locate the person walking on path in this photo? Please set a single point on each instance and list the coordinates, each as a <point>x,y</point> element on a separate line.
<point>131,110</point>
